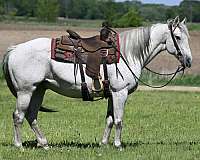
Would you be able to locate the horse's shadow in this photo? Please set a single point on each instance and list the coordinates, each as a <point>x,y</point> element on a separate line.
<point>174,143</point>
<point>84,145</point>
<point>33,144</point>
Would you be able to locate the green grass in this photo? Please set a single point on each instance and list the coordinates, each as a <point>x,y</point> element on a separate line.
<point>157,125</point>
<point>30,22</point>
<point>179,80</point>
<point>194,26</point>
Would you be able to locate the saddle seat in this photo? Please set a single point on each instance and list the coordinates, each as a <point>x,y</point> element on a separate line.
<point>90,44</point>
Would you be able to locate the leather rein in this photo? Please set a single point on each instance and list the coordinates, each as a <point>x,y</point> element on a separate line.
<point>180,68</point>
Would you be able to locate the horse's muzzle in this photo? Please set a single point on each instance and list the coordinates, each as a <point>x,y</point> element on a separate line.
<point>188,62</point>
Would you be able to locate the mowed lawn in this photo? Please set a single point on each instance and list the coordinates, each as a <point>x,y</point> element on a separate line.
<point>157,125</point>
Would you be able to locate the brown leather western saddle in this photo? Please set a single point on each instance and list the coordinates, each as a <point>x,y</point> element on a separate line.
<point>93,51</point>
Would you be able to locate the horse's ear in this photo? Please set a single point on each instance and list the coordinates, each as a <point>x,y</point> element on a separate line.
<point>184,21</point>
<point>169,21</point>
<point>176,20</point>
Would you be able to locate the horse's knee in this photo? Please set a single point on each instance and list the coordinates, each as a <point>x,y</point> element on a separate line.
<point>118,122</point>
<point>18,118</point>
<point>110,122</point>
<point>23,101</point>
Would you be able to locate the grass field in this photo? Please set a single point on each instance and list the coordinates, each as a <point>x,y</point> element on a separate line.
<point>157,125</point>
<point>194,26</point>
<point>81,23</point>
<point>179,80</point>
<point>60,23</point>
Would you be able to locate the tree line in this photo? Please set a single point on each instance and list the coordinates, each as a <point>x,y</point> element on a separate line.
<point>120,14</point>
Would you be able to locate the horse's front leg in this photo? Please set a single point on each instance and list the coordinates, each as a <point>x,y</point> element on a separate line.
<point>119,100</point>
<point>109,121</point>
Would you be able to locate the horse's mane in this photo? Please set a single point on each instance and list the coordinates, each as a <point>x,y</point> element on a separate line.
<point>136,43</point>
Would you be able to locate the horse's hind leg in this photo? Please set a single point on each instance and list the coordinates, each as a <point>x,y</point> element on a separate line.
<point>22,103</point>
<point>32,113</point>
<point>109,122</point>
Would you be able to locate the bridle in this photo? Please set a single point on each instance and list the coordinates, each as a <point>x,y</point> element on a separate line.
<point>179,55</point>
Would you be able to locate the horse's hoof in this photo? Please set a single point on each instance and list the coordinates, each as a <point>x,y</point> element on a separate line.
<point>45,147</point>
<point>103,142</point>
<point>120,148</point>
<point>117,144</point>
<point>19,146</point>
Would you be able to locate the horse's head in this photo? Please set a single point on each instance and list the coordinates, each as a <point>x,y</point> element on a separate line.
<point>177,41</point>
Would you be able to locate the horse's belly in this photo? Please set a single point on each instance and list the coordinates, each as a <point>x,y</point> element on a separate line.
<point>64,88</point>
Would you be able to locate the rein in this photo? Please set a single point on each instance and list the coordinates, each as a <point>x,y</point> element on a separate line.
<point>179,68</point>
<point>161,74</point>
<point>177,48</point>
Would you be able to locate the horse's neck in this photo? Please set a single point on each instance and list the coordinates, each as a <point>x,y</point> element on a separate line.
<point>141,45</point>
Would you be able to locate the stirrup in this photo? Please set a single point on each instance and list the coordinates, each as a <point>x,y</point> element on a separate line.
<point>97,85</point>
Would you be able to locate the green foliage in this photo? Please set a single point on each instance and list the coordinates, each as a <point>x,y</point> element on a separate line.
<point>191,10</point>
<point>116,13</point>
<point>130,19</point>
<point>172,12</point>
<point>24,7</point>
<point>1,7</point>
<point>87,9</point>
<point>47,10</point>
<point>153,12</point>
<point>77,8</point>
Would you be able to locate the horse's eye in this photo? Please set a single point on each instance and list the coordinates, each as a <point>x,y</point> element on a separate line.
<point>178,37</point>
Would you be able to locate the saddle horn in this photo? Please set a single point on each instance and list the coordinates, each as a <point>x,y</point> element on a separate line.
<point>73,34</point>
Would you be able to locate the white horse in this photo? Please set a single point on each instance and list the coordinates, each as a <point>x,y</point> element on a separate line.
<point>29,71</point>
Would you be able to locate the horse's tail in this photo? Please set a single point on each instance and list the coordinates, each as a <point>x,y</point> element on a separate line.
<point>6,71</point>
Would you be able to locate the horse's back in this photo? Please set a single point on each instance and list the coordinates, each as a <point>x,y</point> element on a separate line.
<point>29,62</point>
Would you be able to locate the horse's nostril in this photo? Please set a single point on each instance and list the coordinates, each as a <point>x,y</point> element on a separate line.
<point>188,62</point>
